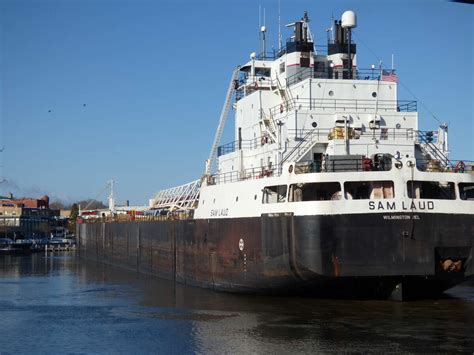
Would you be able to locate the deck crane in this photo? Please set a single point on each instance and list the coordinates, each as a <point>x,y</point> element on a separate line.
<point>220,128</point>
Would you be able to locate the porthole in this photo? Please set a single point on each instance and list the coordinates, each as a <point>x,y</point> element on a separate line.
<point>331,93</point>
<point>255,197</point>
<point>203,202</point>
<point>398,126</point>
<point>237,199</point>
<point>374,94</point>
<point>214,201</point>
<point>290,169</point>
<point>314,124</point>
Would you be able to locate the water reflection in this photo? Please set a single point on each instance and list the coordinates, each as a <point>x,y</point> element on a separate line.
<point>65,304</point>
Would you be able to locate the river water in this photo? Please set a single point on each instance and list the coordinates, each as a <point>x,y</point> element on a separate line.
<point>61,303</point>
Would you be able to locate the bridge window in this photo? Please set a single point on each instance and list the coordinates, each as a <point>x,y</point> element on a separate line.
<point>321,191</point>
<point>369,190</point>
<point>466,191</point>
<point>274,194</point>
<point>436,190</point>
<point>264,72</point>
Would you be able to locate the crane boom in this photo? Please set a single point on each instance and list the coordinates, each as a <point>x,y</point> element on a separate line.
<point>220,128</point>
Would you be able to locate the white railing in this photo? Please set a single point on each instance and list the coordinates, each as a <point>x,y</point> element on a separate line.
<point>179,198</point>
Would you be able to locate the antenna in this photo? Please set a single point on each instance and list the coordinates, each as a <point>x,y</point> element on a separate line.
<point>332,27</point>
<point>111,196</point>
<point>279,25</point>
<point>263,30</point>
<point>259,16</point>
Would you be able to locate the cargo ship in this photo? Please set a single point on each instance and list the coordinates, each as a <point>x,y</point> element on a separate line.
<point>329,188</point>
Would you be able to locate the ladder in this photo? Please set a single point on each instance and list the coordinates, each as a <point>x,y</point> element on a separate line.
<point>220,128</point>
<point>268,124</point>
<point>431,150</point>
<point>303,147</point>
<point>285,95</point>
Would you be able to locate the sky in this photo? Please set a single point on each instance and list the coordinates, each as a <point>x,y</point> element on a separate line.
<point>93,90</point>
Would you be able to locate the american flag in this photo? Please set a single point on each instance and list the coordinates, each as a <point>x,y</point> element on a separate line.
<point>389,75</point>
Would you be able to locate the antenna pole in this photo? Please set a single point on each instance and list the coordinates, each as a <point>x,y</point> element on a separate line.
<point>111,196</point>
<point>349,54</point>
<point>392,62</point>
<point>279,25</point>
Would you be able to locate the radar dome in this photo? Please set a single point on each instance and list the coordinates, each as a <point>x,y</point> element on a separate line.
<point>349,19</point>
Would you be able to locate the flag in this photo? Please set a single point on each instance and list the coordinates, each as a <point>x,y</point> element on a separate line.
<point>389,75</point>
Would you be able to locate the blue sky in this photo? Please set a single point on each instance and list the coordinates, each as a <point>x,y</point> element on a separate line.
<point>132,90</point>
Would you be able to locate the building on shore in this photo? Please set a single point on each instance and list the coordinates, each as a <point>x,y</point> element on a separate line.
<point>28,218</point>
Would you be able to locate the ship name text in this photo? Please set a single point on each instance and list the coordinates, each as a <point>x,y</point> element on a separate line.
<point>405,206</point>
<point>220,212</point>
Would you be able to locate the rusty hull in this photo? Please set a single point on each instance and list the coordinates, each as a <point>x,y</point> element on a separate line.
<point>342,255</point>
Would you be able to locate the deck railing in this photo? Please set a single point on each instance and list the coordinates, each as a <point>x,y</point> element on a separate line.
<point>319,134</point>
<point>343,105</point>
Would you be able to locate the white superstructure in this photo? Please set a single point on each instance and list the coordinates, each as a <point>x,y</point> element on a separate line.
<point>303,117</point>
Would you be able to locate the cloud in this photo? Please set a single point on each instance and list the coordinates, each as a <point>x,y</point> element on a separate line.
<point>9,186</point>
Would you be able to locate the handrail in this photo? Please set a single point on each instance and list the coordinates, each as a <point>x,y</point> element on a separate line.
<point>247,174</point>
<point>300,135</point>
<point>345,165</point>
<point>426,137</point>
<point>350,105</point>
<point>327,73</point>
<point>298,146</point>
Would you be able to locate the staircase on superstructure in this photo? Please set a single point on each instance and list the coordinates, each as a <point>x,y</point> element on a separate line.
<point>431,150</point>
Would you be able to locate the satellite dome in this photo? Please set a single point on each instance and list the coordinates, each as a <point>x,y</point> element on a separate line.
<point>349,19</point>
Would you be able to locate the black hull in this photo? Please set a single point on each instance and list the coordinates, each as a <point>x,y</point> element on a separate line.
<point>366,255</point>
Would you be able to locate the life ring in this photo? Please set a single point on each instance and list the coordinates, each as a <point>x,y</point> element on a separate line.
<point>460,166</point>
<point>281,108</point>
<point>367,164</point>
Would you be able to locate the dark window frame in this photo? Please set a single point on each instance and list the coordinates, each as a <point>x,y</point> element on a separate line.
<point>428,192</point>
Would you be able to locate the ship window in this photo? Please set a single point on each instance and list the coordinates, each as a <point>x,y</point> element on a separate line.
<point>274,194</point>
<point>466,191</point>
<point>319,66</point>
<point>263,72</point>
<point>436,190</point>
<point>365,190</point>
<point>322,191</point>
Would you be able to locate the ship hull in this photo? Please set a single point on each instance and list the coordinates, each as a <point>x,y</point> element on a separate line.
<point>360,255</point>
